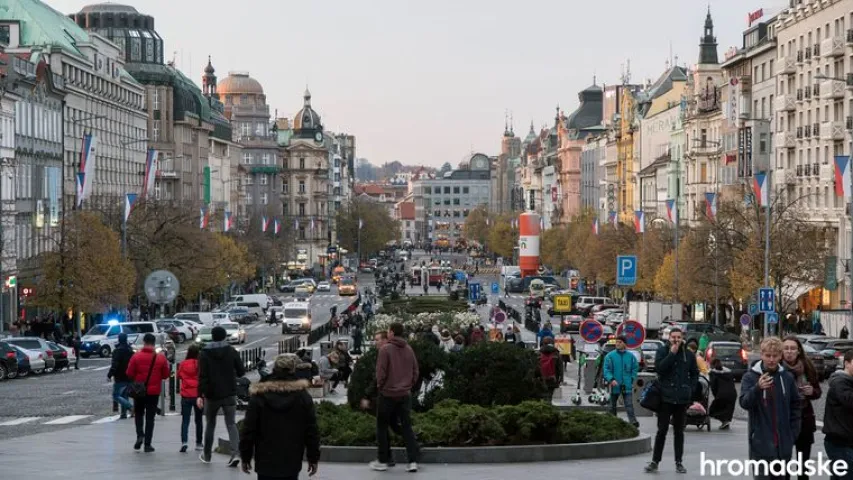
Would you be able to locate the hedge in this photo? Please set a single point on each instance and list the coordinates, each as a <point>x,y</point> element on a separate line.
<point>452,424</point>
<point>425,304</point>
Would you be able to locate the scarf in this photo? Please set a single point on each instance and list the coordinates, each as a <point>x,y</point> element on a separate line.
<point>798,369</point>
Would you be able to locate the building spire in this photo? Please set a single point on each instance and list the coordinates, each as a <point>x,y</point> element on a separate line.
<point>708,43</point>
<point>511,128</point>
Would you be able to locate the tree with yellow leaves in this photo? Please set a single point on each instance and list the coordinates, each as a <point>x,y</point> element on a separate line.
<point>553,248</point>
<point>503,238</point>
<point>477,224</point>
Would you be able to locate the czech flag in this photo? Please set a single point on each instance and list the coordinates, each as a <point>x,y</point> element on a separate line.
<point>81,181</point>
<point>672,211</point>
<point>614,219</point>
<point>204,218</point>
<point>711,205</point>
<point>842,176</point>
<point>265,223</point>
<point>227,222</point>
<point>595,226</point>
<point>129,202</point>
<point>760,189</point>
<point>276,226</point>
<point>640,221</point>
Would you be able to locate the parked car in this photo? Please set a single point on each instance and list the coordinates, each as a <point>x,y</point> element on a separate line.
<point>170,330</point>
<point>240,315</point>
<point>36,359</point>
<point>287,287</point>
<point>832,347</point>
<point>8,361</point>
<point>183,330</point>
<point>694,330</point>
<point>820,361</point>
<point>38,345</point>
<point>164,345</point>
<point>731,354</point>
<point>234,332</point>
<point>60,356</point>
<point>650,349</point>
<point>324,286</point>
<point>571,323</point>
<point>72,356</point>
<point>23,364</point>
<point>204,335</point>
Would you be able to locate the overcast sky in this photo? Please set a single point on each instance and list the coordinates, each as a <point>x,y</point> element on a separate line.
<point>428,82</point>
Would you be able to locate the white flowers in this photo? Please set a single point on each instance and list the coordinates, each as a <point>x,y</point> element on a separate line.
<point>450,321</point>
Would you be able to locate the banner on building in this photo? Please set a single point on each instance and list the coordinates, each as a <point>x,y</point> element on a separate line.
<point>87,165</point>
<point>842,176</point>
<point>150,173</point>
<point>640,221</point>
<point>672,211</point>
<point>54,193</point>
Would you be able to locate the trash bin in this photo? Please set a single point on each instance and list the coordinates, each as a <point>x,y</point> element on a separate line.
<point>326,347</point>
<point>589,374</point>
<point>642,380</point>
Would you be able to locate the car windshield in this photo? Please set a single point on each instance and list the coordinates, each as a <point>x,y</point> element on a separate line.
<point>347,281</point>
<point>726,350</point>
<point>295,313</point>
<point>818,344</point>
<point>651,345</point>
<point>98,329</point>
<point>808,349</point>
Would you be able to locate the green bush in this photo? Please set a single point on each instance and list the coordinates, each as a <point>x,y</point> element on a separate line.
<point>492,373</point>
<point>427,304</point>
<point>452,424</point>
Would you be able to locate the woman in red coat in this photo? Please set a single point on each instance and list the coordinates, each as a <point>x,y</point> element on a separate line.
<point>188,375</point>
<point>147,367</point>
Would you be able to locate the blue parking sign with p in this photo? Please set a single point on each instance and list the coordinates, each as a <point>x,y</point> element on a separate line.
<point>626,270</point>
<point>496,288</point>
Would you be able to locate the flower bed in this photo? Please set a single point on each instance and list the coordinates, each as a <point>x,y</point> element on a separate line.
<point>453,321</point>
<point>428,304</point>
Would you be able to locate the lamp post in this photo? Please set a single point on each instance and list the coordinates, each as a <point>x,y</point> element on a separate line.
<point>716,155</point>
<point>124,145</point>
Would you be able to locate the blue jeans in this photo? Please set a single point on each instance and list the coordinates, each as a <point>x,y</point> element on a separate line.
<point>629,404</point>
<point>188,407</point>
<point>839,452</point>
<point>120,396</point>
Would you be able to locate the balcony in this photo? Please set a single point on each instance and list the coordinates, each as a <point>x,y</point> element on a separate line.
<point>816,129</point>
<point>850,81</point>
<point>833,130</point>
<point>799,170</point>
<point>816,90</point>
<point>799,94</point>
<point>807,170</point>
<point>832,47</point>
<point>849,123</point>
<point>800,57</point>
<point>816,50</point>
<point>799,133</point>
<point>850,36</point>
<point>788,65</point>
<point>807,93</point>
<point>808,54</point>
<point>785,103</point>
<point>807,131</point>
<point>832,89</point>
<point>816,169</point>
<point>788,140</point>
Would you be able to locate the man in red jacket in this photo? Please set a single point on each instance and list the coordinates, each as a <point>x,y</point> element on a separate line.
<point>149,368</point>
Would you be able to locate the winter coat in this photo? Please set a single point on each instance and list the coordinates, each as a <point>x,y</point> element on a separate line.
<point>219,368</point>
<point>120,361</point>
<point>809,422</point>
<point>447,345</point>
<point>551,351</point>
<point>623,367</point>
<point>280,428</point>
<point>677,373</point>
<point>725,394</point>
<point>774,414</point>
<point>396,369</point>
<point>544,333</point>
<point>188,375</point>
<point>838,417</point>
<point>140,364</point>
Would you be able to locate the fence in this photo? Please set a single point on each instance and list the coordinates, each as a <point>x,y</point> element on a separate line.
<point>291,345</point>
<point>324,330</point>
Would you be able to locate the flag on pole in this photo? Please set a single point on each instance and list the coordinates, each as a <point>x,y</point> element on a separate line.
<point>227,222</point>
<point>87,164</point>
<point>711,205</point>
<point>761,190</point>
<point>265,223</point>
<point>129,201</point>
<point>81,181</point>
<point>842,176</point>
<point>640,221</point>
<point>276,227</point>
<point>614,219</point>
<point>361,223</point>
<point>204,219</point>
<point>595,226</point>
<point>150,173</point>
<point>672,211</point>
<point>312,224</point>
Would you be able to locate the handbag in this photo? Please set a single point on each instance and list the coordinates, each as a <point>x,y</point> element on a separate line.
<point>651,397</point>
<point>139,390</point>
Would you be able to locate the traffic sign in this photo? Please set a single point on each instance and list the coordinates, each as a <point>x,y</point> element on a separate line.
<point>591,330</point>
<point>634,333</point>
<point>474,291</point>
<point>753,309</point>
<point>496,288</point>
<point>562,303</point>
<point>772,317</point>
<point>461,276</point>
<point>626,270</point>
<point>500,317</point>
<point>11,282</point>
<point>766,300</point>
<point>745,320</point>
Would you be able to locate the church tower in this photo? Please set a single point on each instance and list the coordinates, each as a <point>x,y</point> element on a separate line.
<point>208,80</point>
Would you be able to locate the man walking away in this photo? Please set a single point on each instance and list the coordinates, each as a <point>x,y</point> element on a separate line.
<point>620,372</point>
<point>219,368</point>
<point>838,417</point>
<point>149,368</point>
<point>280,425</point>
<point>550,366</point>
<point>678,376</point>
<point>770,395</point>
<point>396,374</point>
<point>118,374</point>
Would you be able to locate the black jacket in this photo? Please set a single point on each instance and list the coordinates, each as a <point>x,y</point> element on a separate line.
<point>775,414</point>
<point>118,366</point>
<point>838,417</point>
<point>280,428</point>
<point>219,367</point>
<point>677,373</point>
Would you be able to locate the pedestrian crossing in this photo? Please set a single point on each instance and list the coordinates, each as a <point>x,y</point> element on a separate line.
<point>56,421</point>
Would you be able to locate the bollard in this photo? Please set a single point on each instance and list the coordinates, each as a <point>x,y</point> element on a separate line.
<point>172,386</point>
<point>162,397</point>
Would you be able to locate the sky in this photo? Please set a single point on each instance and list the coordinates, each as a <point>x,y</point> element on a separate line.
<point>429,82</point>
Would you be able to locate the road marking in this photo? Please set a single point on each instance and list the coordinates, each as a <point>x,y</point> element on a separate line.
<point>819,424</point>
<point>66,420</point>
<point>105,420</point>
<point>100,368</point>
<point>19,421</point>
<point>83,369</point>
<point>69,392</point>
<point>252,343</point>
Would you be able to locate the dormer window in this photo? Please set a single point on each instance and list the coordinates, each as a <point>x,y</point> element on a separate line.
<point>5,33</point>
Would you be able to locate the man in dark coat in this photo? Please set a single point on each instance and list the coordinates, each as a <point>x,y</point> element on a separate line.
<point>678,376</point>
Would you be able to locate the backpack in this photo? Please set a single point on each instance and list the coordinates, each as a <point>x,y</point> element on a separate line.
<point>651,396</point>
<point>548,367</point>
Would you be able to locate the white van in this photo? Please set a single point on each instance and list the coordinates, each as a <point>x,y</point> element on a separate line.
<point>262,299</point>
<point>297,317</point>
<point>102,339</point>
<point>255,309</point>
<point>205,318</point>
<point>589,302</point>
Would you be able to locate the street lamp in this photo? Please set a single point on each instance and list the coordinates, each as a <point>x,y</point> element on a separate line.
<point>124,145</point>
<point>716,154</point>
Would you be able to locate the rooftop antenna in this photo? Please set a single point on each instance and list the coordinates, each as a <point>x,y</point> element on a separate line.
<point>670,54</point>
<point>594,77</point>
<point>510,123</point>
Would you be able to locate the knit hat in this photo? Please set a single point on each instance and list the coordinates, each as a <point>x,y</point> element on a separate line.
<point>122,338</point>
<point>286,363</point>
<point>218,333</point>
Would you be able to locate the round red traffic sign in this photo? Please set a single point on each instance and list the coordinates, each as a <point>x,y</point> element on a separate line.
<point>500,317</point>
<point>591,330</point>
<point>634,333</point>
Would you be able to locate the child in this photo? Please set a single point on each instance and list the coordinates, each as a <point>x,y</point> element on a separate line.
<point>188,375</point>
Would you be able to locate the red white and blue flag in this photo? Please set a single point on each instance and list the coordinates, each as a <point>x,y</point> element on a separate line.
<point>842,176</point>
<point>150,173</point>
<point>614,219</point>
<point>204,218</point>
<point>761,190</point>
<point>129,202</point>
<point>87,164</point>
<point>265,223</point>
<point>276,227</point>
<point>227,222</point>
<point>640,221</point>
<point>595,226</point>
<point>81,182</point>
<point>711,205</point>
<point>672,211</point>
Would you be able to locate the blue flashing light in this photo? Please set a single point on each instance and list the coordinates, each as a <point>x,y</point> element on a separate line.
<point>112,322</point>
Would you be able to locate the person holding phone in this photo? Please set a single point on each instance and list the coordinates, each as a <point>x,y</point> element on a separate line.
<point>771,397</point>
<point>795,361</point>
<point>678,377</point>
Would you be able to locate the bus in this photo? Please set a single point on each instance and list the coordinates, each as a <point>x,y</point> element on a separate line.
<point>347,286</point>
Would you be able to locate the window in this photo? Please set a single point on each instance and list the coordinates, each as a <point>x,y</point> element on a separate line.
<point>285,186</point>
<point>249,199</point>
<point>155,133</point>
<point>301,209</point>
<point>264,198</point>
<point>302,186</point>
<point>285,207</point>
<point>447,190</point>
<point>264,179</point>
<point>302,233</point>
<point>456,190</point>
<point>248,180</point>
<point>245,129</point>
<point>247,158</point>
<point>465,190</point>
<point>260,129</point>
<point>302,164</point>
<point>456,201</point>
<point>427,190</point>
<point>266,159</point>
<point>244,99</point>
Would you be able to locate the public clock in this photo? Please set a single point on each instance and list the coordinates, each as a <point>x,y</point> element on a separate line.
<point>318,137</point>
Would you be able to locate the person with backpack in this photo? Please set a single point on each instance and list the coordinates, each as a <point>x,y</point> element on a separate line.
<point>620,371</point>
<point>118,373</point>
<point>550,366</point>
<point>147,369</point>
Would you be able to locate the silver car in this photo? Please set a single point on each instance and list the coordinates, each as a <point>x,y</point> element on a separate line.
<point>650,349</point>
<point>37,362</point>
<point>36,344</point>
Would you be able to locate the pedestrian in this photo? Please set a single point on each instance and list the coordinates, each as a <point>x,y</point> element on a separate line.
<point>396,374</point>
<point>357,338</point>
<point>620,371</point>
<point>219,368</point>
<point>150,369</point>
<point>769,394</point>
<point>188,375</point>
<point>447,341</point>
<point>844,333</point>
<point>118,374</point>
<point>510,335</point>
<point>478,334</point>
<point>796,362</point>
<point>272,319</point>
<point>550,367</point>
<point>545,332</point>
<point>280,428</point>
<point>702,345</point>
<point>678,376</point>
<point>75,345</point>
<point>838,416</point>
<point>344,364</point>
<point>328,366</point>
<point>458,344</point>
<point>725,394</point>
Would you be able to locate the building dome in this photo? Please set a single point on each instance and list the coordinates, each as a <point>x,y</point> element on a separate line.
<point>239,83</point>
<point>307,118</point>
<point>108,7</point>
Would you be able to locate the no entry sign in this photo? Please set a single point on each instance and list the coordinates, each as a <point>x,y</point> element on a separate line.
<point>591,330</point>
<point>634,333</point>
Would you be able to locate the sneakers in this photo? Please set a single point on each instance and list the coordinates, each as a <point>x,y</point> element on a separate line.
<point>413,467</point>
<point>149,449</point>
<point>203,458</point>
<point>123,416</point>
<point>652,467</point>
<point>199,447</point>
<point>377,466</point>
<point>184,448</point>
<point>138,444</point>
<point>234,462</point>
<point>725,425</point>
<point>680,468</point>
